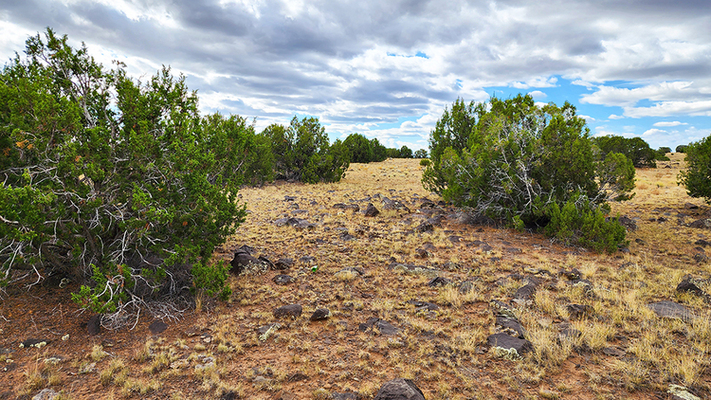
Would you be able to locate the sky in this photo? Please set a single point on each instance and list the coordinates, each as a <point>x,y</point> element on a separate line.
<point>388,68</point>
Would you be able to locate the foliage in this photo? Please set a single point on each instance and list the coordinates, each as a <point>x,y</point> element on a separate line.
<point>420,153</point>
<point>583,224</point>
<point>405,152</point>
<point>681,148</point>
<point>452,132</point>
<point>359,147</point>
<point>303,152</point>
<point>363,150</point>
<point>520,160</point>
<point>664,150</point>
<point>697,176</point>
<point>425,162</point>
<point>117,183</point>
<point>636,149</point>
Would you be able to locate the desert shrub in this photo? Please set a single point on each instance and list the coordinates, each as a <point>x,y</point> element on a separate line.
<point>697,176</point>
<point>425,162</point>
<point>681,148</point>
<point>117,183</point>
<point>302,152</point>
<point>359,147</point>
<point>392,153</point>
<point>405,152</point>
<point>664,150</point>
<point>585,225</point>
<point>636,149</point>
<point>521,161</point>
<point>420,153</point>
<point>380,152</point>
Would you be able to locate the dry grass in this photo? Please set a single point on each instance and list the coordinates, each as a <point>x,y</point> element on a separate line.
<point>623,349</point>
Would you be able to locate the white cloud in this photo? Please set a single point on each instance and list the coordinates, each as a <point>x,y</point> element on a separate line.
<point>655,132</point>
<point>671,108</point>
<point>669,123</point>
<point>538,95</point>
<point>615,116</point>
<point>587,118</point>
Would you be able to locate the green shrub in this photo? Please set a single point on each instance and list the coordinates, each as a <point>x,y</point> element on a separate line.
<point>420,153</point>
<point>681,148</point>
<point>360,148</point>
<point>425,162</point>
<point>581,223</point>
<point>520,159</point>
<point>697,176</point>
<point>636,149</point>
<point>302,152</point>
<point>117,183</point>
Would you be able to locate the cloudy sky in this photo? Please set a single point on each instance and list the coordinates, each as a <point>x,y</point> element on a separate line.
<point>387,68</point>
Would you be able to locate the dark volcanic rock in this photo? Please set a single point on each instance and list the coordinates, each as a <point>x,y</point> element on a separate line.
<point>508,343</point>
<point>157,327</point>
<point>93,326</point>
<point>525,293</point>
<point>510,326</point>
<point>382,326</point>
<point>243,260</point>
<point>291,310</point>
<point>704,223</point>
<point>439,281</point>
<point>423,305</point>
<point>320,314</point>
<point>670,309</point>
<point>628,223</point>
<point>688,284</point>
<point>371,211</point>
<point>399,389</point>
<point>577,311</point>
<point>283,263</point>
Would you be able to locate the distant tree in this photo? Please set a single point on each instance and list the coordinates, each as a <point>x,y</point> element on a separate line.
<point>360,148</point>
<point>664,150</point>
<point>380,152</point>
<point>452,131</point>
<point>681,148</point>
<point>405,152</point>
<point>420,153</point>
<point>697,176</point>
<point>636,149</point>
<point>282,145</point>
<point>303,152</point>
<point>392,153</point>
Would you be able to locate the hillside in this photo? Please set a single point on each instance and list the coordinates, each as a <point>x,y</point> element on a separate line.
<point>415,291</point>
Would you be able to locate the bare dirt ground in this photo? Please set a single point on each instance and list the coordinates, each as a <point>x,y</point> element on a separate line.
<point>434,332</point>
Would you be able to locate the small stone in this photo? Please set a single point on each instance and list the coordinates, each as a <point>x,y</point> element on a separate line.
<point>508,346</point>
<point>399,389</point>
<point>439,281</point>
<point>291,310</point>
<point>46,394</point>
<point>93,326</point>
<point>670,309</point>
<point>282,279</point>
<point>320,314</point>
<point>371,211</point>
<point>157,327</point>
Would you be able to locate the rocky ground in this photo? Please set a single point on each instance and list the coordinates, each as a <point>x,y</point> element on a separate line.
<point>342,289</point>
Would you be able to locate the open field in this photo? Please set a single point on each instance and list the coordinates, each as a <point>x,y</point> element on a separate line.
<point>585,314</point>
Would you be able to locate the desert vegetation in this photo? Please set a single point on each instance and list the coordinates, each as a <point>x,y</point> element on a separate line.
<point>206,260</point>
